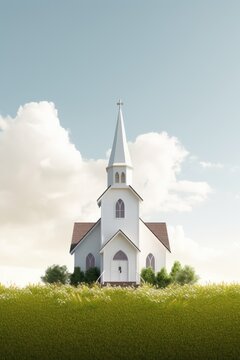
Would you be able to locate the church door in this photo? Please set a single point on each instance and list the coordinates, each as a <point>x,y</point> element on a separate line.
<point>119,269</point>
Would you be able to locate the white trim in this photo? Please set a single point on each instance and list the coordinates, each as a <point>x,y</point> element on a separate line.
<point>119,164</point>
<point>117,186</point>
<point>114,236</point>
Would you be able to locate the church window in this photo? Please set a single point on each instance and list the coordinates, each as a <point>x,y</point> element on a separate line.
<point>90,261</point>
<point>117,177</point>
<point>123,177</point>
<point>150,262</point>
<point>120,209</point>
<point>120,255</point>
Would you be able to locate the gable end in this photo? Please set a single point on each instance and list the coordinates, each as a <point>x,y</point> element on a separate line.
<point>80,231</point>
<point>160,231</point>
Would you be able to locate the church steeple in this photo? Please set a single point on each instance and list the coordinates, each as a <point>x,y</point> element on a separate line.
<point>120,153</point>
<point>120,165</point>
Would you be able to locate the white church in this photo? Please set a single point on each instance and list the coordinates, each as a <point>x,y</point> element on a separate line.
<point>120,243</point>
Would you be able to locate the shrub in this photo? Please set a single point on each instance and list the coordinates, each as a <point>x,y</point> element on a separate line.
<point>175,270</point>
<point>92,274</point>
<point>56,274</point>
<point>186,275</point>
<point>163,279</point>
<point>77,276</point>
<point>147,274</point>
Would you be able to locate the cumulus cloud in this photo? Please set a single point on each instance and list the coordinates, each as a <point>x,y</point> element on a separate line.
<point>212,264</point>
<point>209,165</point>
<point>46,185</point>
<point>157,159</point>
<point>2,124</point>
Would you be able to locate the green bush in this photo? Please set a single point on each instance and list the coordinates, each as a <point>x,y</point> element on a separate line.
<point>163,279</point>
<point>77,277</point>
<point>186,275</point>
<point>178,275</point>
<point>183,275</point>
<point>92,274</point>
<point>147,274</point>
<point>56,274</point>
<point>175,270</point>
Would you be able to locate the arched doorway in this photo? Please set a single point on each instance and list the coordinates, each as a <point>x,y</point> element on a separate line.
<point>119,270</point>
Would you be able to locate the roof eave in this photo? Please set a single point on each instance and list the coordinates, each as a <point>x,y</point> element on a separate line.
<point>119,164</point>
<point>126,237</point>
<point>100,197</point>
<point>134,191</point>
<point>168,248</point>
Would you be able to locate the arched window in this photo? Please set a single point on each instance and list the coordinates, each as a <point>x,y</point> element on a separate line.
<point>90,261</point>
<point>117,177</point>
<point>120,209</point>
<point>120,255</point>
<point>123,177</point>
<point>150,261</point>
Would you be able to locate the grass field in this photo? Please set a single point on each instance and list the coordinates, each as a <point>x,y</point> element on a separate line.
<point>51,322</point>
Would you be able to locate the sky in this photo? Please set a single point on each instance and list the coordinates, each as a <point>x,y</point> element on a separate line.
<point>63,66</point>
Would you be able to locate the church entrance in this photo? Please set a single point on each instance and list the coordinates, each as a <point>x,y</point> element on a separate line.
<point>119,270</point>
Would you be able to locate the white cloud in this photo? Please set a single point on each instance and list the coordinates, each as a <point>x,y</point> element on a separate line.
<point>209,165</point>
<point>4,123</point>
<point>46,185</point>
<point>211,264</point>
<point>234,168</point>
<point>157,160</point>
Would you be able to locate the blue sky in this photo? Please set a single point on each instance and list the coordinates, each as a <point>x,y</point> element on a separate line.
<point>175,64</point>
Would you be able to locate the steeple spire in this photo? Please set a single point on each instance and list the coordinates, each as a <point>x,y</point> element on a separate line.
<point>120,153</point>
<point>120,164</point>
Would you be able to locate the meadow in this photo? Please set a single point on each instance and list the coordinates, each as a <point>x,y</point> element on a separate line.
<point>62,322</point>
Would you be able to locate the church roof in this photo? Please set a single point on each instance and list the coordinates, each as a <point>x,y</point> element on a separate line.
<point>80,230</point>
<point>159,229</point>
<point>120,153</point>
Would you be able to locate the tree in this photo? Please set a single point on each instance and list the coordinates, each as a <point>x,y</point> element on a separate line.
<point>77,276</point>
<point>56,274</point>
<point>186,275</point>
<point>163,279</point>
<point>92,274</point>
<point>147,274</point>
<point>175,270</point>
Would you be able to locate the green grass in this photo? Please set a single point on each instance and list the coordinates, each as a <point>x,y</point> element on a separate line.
<point>51,322</point>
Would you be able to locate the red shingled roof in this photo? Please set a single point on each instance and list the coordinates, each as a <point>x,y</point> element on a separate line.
<point>160,231</point>
<point>80,229</point>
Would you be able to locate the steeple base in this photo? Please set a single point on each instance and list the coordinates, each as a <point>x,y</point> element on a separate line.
<point>119,174</point>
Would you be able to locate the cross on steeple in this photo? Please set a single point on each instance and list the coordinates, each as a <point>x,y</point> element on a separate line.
<point>119,103</point>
